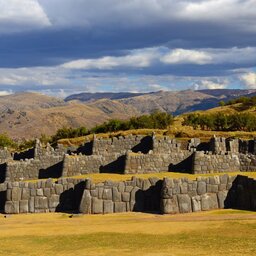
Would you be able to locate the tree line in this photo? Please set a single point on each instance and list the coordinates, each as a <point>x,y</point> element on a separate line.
<point>246,102</point>
<point>156,120</point>
<point>222,122</point>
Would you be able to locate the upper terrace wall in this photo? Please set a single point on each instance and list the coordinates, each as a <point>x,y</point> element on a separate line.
<point>153,162</point>
<point>119,145</point>
<point>132,154</point>
<point>46,162</point>
<point>5,155</point>
<point>81,164</point>
<point>220,145</point>
<point>209,163</point>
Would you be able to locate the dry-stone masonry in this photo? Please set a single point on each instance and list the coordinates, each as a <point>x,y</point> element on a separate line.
<point>129,155</point>
<point>202,194</point>
<point>168,196</point>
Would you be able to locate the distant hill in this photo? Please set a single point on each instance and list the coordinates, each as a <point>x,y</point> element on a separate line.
<point>227,93</point>
<point>28,115</point>
<point>87,96</point>
<point>170,101</point>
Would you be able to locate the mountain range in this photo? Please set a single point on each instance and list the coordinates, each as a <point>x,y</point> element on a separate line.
<point>29,115</point>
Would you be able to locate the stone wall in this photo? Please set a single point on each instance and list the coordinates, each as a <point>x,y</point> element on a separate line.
<point>242,194</point>
<point>5,155</point>
<point>44,196</point>
<point>44,163</point>
<point>144,195</point>
<point>3,189</point>
<point>125,196</point>
<point>119,145</point>
<point>130,154</point>
<point>152,162</point>
<point>47,166</point>
<point>247,162</point>
<point>82,164</point>
<point>218,145</point>
<point>42,153</point>
<point>165,145</point>
<point>202,194</point>
<point>209,163</point>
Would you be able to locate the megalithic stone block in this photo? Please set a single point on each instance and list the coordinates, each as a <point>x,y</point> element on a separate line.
<point>12,207</point>
<point>170,206</point>
<point>85,205</point>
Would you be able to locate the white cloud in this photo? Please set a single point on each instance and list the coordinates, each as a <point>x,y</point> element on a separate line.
<point>6,92</point>
<point>93,13</point>
<point>149,57</point>
<point>210,84</point>
<point>21,15</point>
<point>182,56</point>
<point>249,79</point>
<point>136,59</point>
<point>157,87</point>
<point>45,76</point>
<point>235,13</point>
<point>90,14</point>
<point>233,55</point>
<point>62,81</point>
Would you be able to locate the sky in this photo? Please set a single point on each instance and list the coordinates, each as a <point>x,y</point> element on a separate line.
<point>62,47</point>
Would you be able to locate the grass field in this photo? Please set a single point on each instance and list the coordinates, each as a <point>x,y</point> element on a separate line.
<point>101,177</point>
<point>222,232</point>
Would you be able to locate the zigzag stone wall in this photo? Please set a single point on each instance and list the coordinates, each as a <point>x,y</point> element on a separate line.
<point>202,194</point>
<point>43,196</point>
<point>209,163</point>
<point>81,164</point>
<point>168,196</point>
<point>130,154</point>
<point>154,163</point>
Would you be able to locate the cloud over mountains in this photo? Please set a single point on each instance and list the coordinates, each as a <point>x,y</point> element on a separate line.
<point>52,45</point>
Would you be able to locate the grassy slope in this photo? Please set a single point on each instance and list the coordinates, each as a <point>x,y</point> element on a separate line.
<point>225,232</point>
<point>177,130</point>
<point>189,132</point>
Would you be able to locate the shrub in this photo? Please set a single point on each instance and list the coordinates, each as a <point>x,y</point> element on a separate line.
<point>222,122</point>
<point>6,141</point>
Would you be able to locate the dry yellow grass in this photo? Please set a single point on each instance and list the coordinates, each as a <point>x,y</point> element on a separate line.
<point>79,140</point>
<point>187,132</point>
<point>226,232</point>
<point>175,130</point>
<point>100,177</point>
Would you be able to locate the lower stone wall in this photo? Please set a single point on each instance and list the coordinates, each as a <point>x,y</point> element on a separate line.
<point>154,163</point>
<point>168,196</point>
<point>3,189</point>
<point>43,196</point>
<point>209,163</point>
<point>242,194</point>
<point>202,194</point>
<point>125,196</point>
